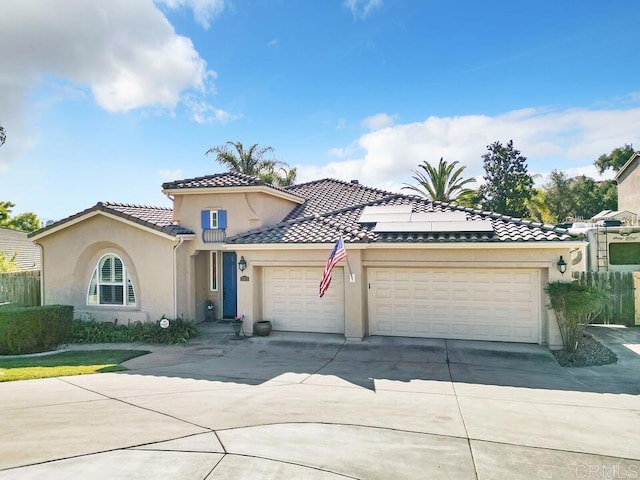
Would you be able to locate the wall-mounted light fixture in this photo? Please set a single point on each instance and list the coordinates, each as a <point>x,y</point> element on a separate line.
<point>242,264</point>
<point>562,265</point>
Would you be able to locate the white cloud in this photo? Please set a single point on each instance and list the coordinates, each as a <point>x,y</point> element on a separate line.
<point>362,8</point>
<point>378,121</point>
<point>203,112</point>
<point>125,52</point>
<point>204,11</point>
<point>550,139</point>
<point>167,174</point>
<point>273,42</point>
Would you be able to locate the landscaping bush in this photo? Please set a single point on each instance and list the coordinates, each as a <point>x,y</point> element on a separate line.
<point>575,306</point>
<point>34,329</point>
<point>178,331</point>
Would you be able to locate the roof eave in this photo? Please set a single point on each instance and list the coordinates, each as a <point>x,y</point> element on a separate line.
<point>235,189</point>
<point>104,211</point>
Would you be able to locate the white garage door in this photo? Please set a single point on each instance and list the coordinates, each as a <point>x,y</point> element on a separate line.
<point>291,300</point>
<point>464,303</point>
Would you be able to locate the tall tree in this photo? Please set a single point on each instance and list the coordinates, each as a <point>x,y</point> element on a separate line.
<point>443,183</point>
<point>27,222</point>
<point>578,197</point>
<point>252,161</point>
<point>615,160</point>
<point>508,185</point>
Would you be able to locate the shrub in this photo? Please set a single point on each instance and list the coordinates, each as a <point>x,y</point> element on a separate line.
<point>178,331</point>
<point>575,306</point>
<point>34,329</point>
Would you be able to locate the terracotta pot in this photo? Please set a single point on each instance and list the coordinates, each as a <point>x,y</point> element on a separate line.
<point>262,329</point>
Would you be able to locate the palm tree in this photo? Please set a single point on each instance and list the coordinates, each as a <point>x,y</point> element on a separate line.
<point>444,183</point>
<point>251,161</point>
<point>3,135</point>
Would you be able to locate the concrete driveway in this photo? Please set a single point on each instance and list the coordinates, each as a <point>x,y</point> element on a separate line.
<point>314,407</point>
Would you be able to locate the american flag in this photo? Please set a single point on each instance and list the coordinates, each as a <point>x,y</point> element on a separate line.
<point>337,254</point>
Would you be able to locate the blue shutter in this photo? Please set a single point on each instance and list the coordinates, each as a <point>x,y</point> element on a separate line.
<point>205,219</point>
<point>222,219</point>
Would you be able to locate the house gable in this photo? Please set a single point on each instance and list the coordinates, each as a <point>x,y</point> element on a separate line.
<point>224,205</point>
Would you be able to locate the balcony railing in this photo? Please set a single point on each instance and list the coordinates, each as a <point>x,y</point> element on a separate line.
<point>210,235</point>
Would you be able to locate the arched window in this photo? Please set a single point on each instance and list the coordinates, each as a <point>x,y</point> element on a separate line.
<point>111,284</point>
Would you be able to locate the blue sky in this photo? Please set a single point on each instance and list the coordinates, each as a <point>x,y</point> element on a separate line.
<point>105,100</point>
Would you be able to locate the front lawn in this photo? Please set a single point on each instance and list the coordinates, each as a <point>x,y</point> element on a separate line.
<point>65,363</point>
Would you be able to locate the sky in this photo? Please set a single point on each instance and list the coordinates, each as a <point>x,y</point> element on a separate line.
<point>104,100</point>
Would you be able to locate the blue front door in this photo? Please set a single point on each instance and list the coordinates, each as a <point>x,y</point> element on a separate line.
<point>229,285</point>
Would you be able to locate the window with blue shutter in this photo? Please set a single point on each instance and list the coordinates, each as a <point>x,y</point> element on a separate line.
<point>214,224</point>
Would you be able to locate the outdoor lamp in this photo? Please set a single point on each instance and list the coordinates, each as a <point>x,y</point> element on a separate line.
<point>242,264</point>
<point>562,265</point>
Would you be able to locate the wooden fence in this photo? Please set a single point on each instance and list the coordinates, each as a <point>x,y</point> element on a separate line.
<point>22,288</point>
<point>621,308</point>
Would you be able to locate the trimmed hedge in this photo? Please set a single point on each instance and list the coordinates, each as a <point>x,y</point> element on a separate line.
<point>34,329</point>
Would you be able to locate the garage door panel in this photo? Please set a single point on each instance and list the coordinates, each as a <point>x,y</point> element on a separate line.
<point>291,300</point>
<point>499,304</point>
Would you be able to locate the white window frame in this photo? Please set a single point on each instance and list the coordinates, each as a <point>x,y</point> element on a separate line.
<point>125,283</point>
<point>213,219</point>
<point>213,271</point>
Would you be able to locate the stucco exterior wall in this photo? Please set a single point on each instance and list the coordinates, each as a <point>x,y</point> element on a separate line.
<point>629,188</point>
<point>71,255</point>
<point>356,295</point>
<point>245,211</point>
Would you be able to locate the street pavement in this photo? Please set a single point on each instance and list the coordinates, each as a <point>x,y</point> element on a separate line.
<point>313,406</point>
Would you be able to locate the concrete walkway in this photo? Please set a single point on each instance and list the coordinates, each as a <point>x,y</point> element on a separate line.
<point>317,407</point>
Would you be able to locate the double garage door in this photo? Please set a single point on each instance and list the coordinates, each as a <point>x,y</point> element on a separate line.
<point>462,303</point>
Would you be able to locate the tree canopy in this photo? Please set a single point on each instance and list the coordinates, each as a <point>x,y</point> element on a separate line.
<point>443,183</point>
<point>252,161</point>
<point>614,160</point>
<point>578,197</point>
<point>508,185</point>
<point>27,222</point>
<point>3,135</point>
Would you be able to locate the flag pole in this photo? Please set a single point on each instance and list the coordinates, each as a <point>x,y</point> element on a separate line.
<point>352,277</point>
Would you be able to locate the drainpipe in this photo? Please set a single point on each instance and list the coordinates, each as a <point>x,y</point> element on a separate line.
<point>175,277</point>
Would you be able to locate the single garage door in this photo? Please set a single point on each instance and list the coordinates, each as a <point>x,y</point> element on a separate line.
<point>291,300</point>
<point>465,303</point>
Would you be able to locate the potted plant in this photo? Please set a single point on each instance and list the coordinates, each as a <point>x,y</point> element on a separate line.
<point>262,328</point>
<point>237,324</point>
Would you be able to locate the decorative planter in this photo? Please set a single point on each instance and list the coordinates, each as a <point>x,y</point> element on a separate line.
<point>262,328</point>
<point>237,327</point>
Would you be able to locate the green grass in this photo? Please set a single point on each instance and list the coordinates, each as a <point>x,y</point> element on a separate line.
<point>65,363</point>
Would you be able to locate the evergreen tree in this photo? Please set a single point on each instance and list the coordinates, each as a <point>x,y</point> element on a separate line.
<point>508,185</point>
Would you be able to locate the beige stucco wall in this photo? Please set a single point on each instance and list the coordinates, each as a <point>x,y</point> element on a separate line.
<point>245,211</point>
<point>356,315</point>
<point>71,255</point>
<point>629,188</point>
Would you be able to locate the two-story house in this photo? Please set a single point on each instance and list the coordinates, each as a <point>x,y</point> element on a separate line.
<point>414,267</point>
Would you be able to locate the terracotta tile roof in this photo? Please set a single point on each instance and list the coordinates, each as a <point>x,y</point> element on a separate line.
<point>220,180</point>
<point>328,194</point>
<point>318,221</point>
<point>157,218</point>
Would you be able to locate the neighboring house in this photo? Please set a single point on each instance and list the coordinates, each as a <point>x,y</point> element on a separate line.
<point>27,254</point>
<point>628,178</point>
<point>421,268</point>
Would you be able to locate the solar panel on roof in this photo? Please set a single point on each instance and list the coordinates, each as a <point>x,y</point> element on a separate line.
<point>425,227</point>
<point>385,213</point>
